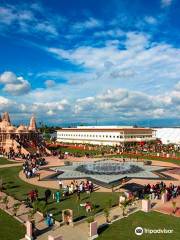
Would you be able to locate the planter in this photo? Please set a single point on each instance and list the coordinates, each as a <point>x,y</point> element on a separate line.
<point>146,205</point>
<point>164,197</point>
<point>93,230</point>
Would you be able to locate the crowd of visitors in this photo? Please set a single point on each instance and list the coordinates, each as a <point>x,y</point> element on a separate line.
<point>31,165</point>
<point>75,187</point>
<point>155,190</point>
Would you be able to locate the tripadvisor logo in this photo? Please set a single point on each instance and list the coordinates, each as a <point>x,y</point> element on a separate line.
<point>139,231</point>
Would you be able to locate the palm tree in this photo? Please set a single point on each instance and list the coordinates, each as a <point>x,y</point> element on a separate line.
<point>5,200</point>
<point>124,206</point>
<point>107,213</point>
<point>16,206</point>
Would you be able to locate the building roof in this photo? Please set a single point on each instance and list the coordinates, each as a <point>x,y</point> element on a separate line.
<point>106,128</point>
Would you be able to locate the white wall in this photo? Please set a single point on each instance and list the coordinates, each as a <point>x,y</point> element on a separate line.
<point>168,135</point>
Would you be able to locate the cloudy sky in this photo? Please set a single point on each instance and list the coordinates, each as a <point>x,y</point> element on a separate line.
<point>82,61</point>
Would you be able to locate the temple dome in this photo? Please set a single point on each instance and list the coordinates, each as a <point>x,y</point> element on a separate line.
<point>4,124</point>
<point>32,124</point>
<point>5,117</point>
<point>22,128</point>
<point>10,129</point>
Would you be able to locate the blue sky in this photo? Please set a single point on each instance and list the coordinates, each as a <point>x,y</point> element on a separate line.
<point>82,61</point>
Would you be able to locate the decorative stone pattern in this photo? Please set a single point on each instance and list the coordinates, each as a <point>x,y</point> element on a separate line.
<point>71,172</point>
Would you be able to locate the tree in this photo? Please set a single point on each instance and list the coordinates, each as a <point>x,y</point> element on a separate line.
<point>107,213</point>
<point>16,207</point>
<point>124,205</point>
<point>5,201</point>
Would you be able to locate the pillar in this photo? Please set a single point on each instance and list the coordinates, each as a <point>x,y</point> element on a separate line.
<point>29,230</point>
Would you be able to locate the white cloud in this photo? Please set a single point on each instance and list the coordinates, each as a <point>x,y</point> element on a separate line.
<point>13,84</point>
<point>25,20</point>
<point>150,20</point>
<point>46,27</point>
<point>50,83</point>
<point>88,24</point>
<point>133,63</point>
<point>166,3</point>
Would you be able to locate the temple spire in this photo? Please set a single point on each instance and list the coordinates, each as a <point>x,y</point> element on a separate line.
<point>32,124</point>
<point>5,117</point>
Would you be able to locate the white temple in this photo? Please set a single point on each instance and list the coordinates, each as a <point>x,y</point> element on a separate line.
<point>21,139</point>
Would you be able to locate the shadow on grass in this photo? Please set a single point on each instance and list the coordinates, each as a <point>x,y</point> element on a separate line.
<point>102,228</point>
<point>79,218</point>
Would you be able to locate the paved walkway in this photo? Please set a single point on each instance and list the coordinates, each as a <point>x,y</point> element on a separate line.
<point>10,165</point>
<point>167,207</point>
<point>81,231</point>
<point>23,212</point>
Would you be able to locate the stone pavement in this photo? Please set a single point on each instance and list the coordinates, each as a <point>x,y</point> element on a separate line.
<point>55,161</point>
<point>23,211</point>
<point>10,165</point>
<point>80,230</point>
<point>167,207</point>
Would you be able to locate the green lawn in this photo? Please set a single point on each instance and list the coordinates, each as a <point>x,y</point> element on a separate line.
<point>10,229</point>
<point>17,188</point>
<point>124,228</point>
<point>5,161</point>
<point>148,158</point>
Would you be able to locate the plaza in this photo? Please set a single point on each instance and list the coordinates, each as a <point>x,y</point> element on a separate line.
<point>100,196</point>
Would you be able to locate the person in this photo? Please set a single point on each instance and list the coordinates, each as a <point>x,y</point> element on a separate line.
<point>88,207</point>
<point>49,220</point>
<point>57,196</point>
<point>60,184</point>
<point>47,194</point>
<point>78,194</point>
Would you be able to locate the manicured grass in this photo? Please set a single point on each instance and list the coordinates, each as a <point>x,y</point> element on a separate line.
<point>176,161</point>
<point>4,161</point>
<point>125,228</point>
<point>10,229</point>
<point>17,188</point>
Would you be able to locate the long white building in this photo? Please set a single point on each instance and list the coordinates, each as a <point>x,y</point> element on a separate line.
<point>105,135</point>
<point>168,135</point>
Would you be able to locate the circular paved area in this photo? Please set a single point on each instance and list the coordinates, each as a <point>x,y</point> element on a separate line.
<point>54,161</point>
